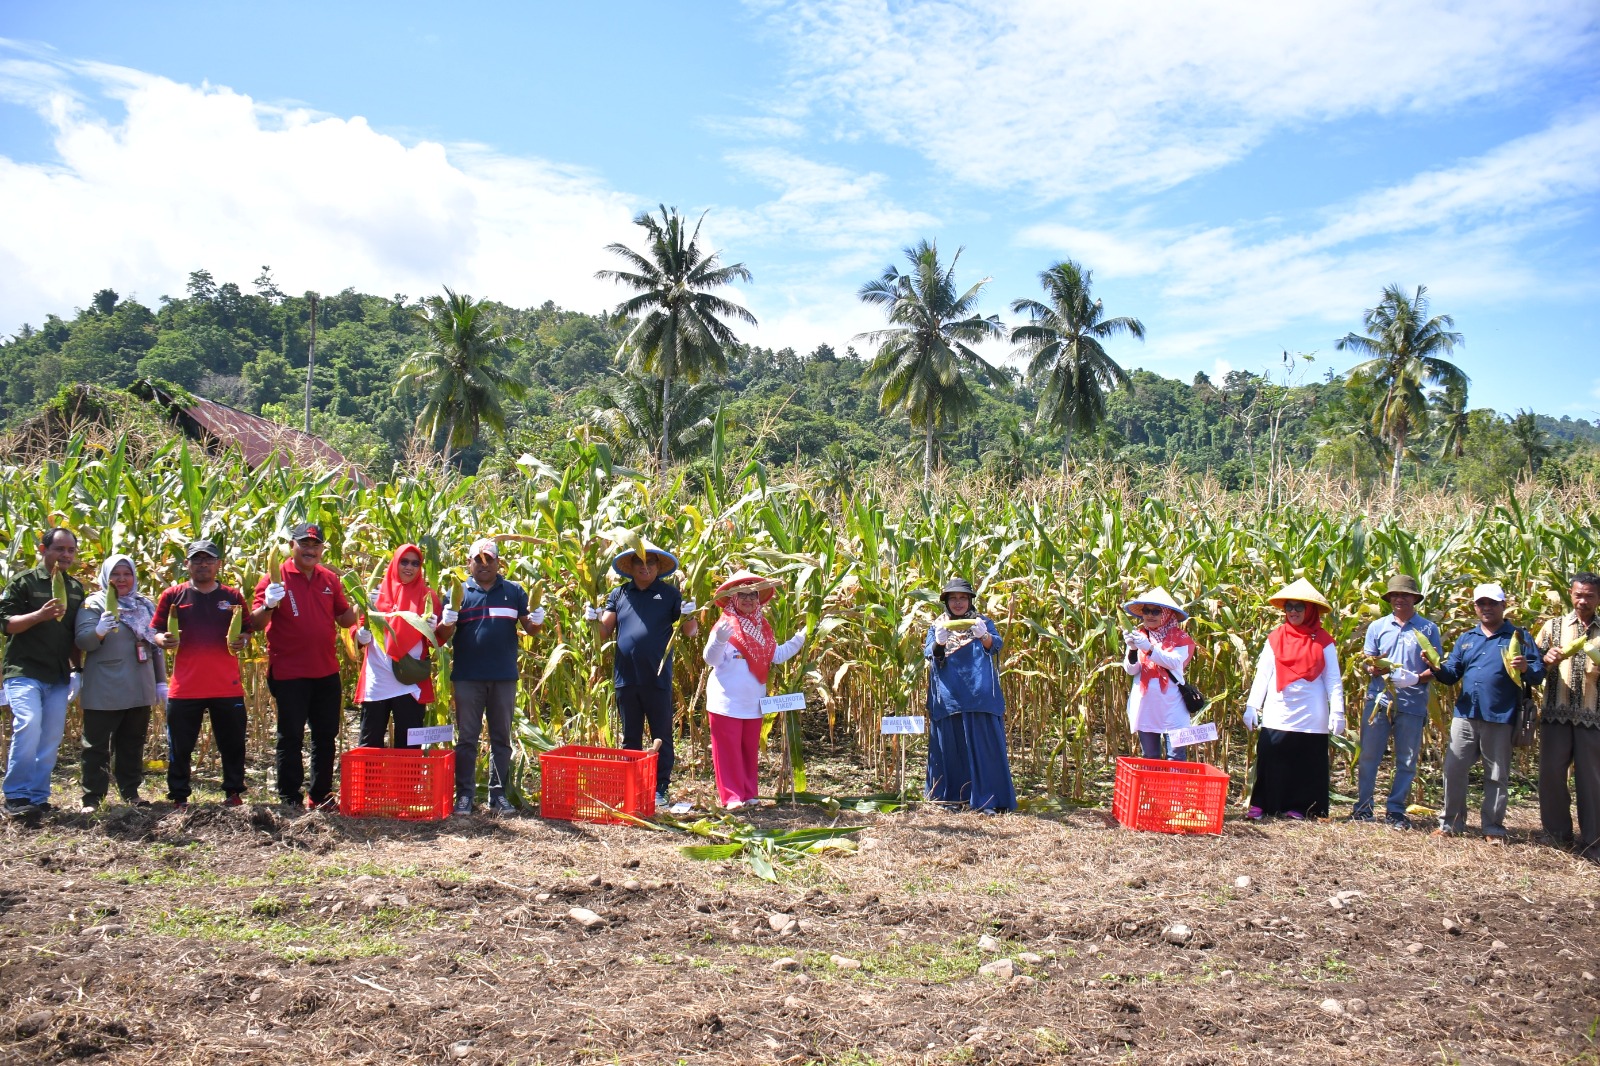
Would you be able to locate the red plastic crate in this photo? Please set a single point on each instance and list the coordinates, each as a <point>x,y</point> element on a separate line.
<point>584,784</point>
<point>403,783</point>
<point>1169,797</point>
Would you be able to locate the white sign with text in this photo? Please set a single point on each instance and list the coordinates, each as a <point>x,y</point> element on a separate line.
<point>1191,735</point>
<point>431,734</point>
<point>789,701</point>
<point>911,723</point>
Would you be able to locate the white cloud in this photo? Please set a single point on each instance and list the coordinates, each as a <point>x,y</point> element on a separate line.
<point>201,176</point>
<point>1073,98</point>
<point>1463,229</point>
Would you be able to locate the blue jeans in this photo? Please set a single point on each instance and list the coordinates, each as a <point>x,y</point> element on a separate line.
<point>38,716</point>
<point>1150,745</point>
<point>1376,732</point>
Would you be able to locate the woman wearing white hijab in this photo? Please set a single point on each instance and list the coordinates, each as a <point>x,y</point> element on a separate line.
<point>124,675</point>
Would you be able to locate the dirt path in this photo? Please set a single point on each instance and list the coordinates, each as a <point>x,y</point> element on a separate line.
<point>251,936</point>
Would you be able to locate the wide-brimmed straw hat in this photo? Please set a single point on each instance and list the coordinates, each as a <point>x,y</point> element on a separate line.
<point>745,579</point>
<point>1402,583</point>
<point>954,585</point>
<point>1156,597</point>
<point>666,562</point>
<point>1301,590</point>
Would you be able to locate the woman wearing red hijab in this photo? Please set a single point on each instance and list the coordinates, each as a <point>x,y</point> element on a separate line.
<point>741,653</point>
<point>395,683</point>
<point>1297,700</point>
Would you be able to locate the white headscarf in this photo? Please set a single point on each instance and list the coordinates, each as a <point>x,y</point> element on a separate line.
<point>137,611</point>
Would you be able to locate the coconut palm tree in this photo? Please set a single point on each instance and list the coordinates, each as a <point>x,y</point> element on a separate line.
<point>1067,362</point>
<point>1450,407</point>
<point>1405,352</point>
<point>1530,440</point>
<point>461,371</point>
<point>679,330</point>
<point>921,356</point>
<point>634,417</point>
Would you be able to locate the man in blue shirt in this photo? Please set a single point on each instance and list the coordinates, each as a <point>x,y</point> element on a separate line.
<point>483,671</point>
<point>1488,702</point>
<point>643,613</point>
<point>1402,716</point>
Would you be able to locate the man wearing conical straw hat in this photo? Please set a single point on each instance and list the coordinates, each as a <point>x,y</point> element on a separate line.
<point>1158,653</point>
<point>642,613</point>
<point>1296,700</point>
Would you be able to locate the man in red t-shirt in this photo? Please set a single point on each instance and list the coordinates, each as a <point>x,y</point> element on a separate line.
<point>205,674</point>
<point>300,608</point>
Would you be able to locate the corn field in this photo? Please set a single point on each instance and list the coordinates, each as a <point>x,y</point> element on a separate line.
<point>860,571</point>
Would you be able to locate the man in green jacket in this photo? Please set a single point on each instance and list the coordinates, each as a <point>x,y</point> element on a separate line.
<point>41,677</point>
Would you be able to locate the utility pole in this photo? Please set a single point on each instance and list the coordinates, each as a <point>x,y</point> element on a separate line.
<point>311,360</point>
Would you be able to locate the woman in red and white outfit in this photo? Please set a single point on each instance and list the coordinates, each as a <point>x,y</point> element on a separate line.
<point>741,653</point>
<point>394,683</point>
<point>1159,651</point>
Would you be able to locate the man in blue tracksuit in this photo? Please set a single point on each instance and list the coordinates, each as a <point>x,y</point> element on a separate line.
<point>1484,711</point>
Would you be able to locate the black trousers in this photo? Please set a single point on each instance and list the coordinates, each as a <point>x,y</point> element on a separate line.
<point>115,739</point>
<point>407,713</point>
<point>644,703</point>
<point>184,719</point>
<point>302,702</point>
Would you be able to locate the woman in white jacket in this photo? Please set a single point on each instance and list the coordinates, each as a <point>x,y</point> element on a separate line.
<point>741,653</point>
<point>1159,651</point>
<point>1297,700</point>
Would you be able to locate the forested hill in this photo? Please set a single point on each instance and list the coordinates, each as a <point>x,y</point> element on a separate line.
<point>249,349</point>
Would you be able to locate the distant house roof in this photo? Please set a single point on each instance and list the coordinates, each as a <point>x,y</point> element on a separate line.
<point>258,439</point>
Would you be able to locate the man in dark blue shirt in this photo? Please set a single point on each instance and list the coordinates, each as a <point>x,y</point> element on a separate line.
<point>1484,709</point>
<point>642,614</point>
<point>483,671</point>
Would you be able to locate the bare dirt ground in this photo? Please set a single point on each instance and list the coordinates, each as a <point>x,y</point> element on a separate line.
<point>261,935</point>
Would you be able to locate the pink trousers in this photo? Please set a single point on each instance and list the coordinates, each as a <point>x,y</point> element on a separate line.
<point>735,754</point>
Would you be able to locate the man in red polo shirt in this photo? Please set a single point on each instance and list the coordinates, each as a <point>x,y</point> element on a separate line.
<point>299,608</point>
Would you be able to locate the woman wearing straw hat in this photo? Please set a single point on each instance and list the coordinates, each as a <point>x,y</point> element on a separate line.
<point>741,653</point>
<point>642,614</point>
<point>1297,699</point>
<point>967,760</point>
<point>1158,653</point>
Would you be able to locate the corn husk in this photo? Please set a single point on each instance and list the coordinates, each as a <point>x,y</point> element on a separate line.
<point>1509,653</point>
<point>1573,647</point>
<point>959,623</point>
<point>1383,664</point>
<point>58,587</point>
<point>236,624</point>
<point>1592,650</point>
<point>415,620</point>
<point>1428,651</point>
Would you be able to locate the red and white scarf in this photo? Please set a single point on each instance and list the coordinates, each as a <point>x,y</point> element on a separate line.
<point>1171,637</point>
<point>752,635</point>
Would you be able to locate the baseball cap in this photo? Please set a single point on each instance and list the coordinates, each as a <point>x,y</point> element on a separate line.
<point>483,546</point>
<point>306,531</point>
<point>202,546</point>
<point>1489,590</point>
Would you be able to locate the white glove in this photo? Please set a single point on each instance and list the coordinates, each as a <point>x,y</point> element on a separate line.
<point>1139,639</point>
<point>161,693</point>
<point>363,636</point>
<point>1336,725</point>
<point>799,640</point>
<point>536,616</point>
<point>941,635</point>
<point>1402,677</point>
<point>1252,718</point>
<point>687,608</point>
<point>591,613</point>
<point>433,620</point>
<point>450,617</point>
<point>722,632</point>
<point>274,595</point>
<point>107,623</point>
<point>74,683</point>
<point>980,630</point>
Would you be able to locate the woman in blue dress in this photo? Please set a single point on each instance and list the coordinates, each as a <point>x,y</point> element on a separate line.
<point>966,711</point>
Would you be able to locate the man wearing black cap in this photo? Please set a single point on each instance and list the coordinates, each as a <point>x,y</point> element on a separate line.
<point>205,674</point>
<point>300,608</point>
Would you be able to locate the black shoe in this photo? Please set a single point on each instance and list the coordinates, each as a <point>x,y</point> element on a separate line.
<point>135,801</point>
<point>1398,821</point>
<point>1361,816</point>
<point>180,805</point>
<point>21,808</point>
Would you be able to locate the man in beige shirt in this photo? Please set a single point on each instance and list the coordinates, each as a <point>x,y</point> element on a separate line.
<point>1569,728</point>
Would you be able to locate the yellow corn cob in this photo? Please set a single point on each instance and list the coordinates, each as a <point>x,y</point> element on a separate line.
<point>1573,647</point>
<point>235,624</point>
<point>1510,652</point>
<point>172,622</point>
<point>58,586</point>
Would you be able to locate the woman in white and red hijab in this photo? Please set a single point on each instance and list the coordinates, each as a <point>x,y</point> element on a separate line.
<point>1159,651</point>
<point>741,653</point>
<point>395,681</point>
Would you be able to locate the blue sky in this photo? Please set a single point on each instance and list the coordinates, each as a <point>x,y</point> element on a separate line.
<point>1242,177</point>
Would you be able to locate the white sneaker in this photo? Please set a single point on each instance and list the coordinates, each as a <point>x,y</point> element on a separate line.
<point>662,800</point>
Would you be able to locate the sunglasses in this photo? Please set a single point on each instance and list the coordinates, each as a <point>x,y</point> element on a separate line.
<point>1151,612</point>
<point>748,595</point>
<point>1293,605</point>
<point>410,564</point>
